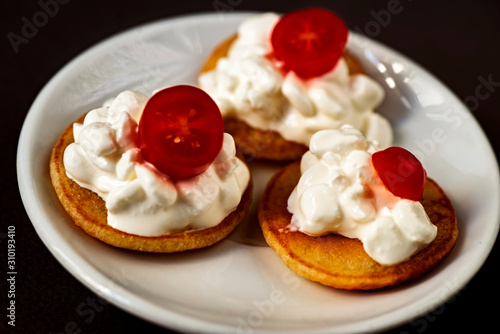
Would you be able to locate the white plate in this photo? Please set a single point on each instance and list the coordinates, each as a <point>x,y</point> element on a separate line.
<point>240,285</point>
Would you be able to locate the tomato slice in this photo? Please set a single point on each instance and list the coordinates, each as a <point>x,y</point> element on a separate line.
<point>309,42</point>
<point>180,131</point>
<point>401,172</point>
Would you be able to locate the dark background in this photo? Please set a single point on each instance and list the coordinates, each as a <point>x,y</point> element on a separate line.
<point>457,41</point>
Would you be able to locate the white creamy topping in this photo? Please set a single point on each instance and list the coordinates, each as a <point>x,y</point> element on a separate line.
<point>340,192</point>
<point>141,200</point>
<point>248,86</point>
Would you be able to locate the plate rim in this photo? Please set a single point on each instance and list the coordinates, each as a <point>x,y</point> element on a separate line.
<point>79,268</point>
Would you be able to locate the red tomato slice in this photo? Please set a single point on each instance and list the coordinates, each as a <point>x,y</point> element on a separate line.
<point>309,42</point>
<point>401,172</point>
<point>180,131</point>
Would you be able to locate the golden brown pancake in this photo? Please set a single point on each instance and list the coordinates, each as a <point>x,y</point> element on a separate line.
<point>340,262</point>
<point>256,143</point>
<point>88,211</point>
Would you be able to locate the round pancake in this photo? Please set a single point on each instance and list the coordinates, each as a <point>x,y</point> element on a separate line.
<point>88,211</point>
<point>256,143</point>
<point>340,262</point>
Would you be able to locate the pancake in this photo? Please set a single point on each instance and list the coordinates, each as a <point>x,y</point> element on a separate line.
<point>254,143</point>
<point>88,211</point>
<point>338,261</point>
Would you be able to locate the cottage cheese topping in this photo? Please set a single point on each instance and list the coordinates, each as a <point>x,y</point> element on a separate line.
<point>141,200</point>
<point>248,86</point>
<point>340,192</point>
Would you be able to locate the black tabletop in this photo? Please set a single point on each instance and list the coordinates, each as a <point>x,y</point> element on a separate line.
<point>457,41</point>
